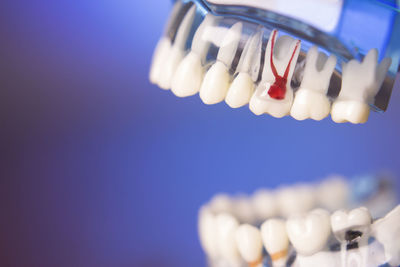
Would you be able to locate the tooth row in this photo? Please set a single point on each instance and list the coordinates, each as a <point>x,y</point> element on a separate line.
<point>188,73</point>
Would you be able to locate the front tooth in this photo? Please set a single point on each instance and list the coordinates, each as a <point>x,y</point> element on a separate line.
<point>163,47</point>
<point>311,100</point>
<point>309,233</point>
<point>216,81</point>
<point>264,204</point>
<point>356,220</point>
<point>387,232</point>
<point>227,226</point>
<point>190,72</point>
<point>333,193</point>
<point>284,55</point>
<point>295,200</point>
<point>275,239</point>
<point>249,243</point>
<point>176,53</point>
<point>360,84</point>
<point>207,228</point>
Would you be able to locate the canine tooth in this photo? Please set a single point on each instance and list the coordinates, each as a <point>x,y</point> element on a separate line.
<point>284,58</point>
<point>387,232</point>
<point>360,84</point>
<point>190,72</point>
<point>163,47</point>
<point>309,233</point>
<point>295,200</point>
<point>264,204</point>
<point>333,193</point>
<point>311,100</point>
<point>242,87</point>
<point>216,81</point>
<point>208,232</point>
<point>176,53</point>
<point>275,239</point>
<point>227,226</point>
<point>249,243</point>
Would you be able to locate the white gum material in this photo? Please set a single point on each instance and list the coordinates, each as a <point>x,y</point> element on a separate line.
<point>242,87</point>
<point>360,84</point>
<point>217,79</point>
<point>311,100</point>
<point>249,243</point>
<point>261,102</point>
<point>163,47</point>
<point>190,72</point>
<point>177,51</point>
<point>275,240</point>
<point>387,232</point>
<point>227,248</point>
<point>207,228</point>
<point>309,233</point>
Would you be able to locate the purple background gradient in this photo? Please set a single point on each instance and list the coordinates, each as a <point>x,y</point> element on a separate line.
<point>100,168</point>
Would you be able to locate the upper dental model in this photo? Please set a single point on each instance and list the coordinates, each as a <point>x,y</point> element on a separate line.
<point>360,84</point>
<point>274,94</point>
<point>311,100</point>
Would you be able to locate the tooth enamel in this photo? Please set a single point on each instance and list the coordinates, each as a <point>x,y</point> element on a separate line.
<point>249,243</point>
<point>190,72</point>
<point>275,239</point>
<point>163,47</point>
<point>360,84</point>
<point>311,100</point>
<point>244,209</point>
<point>333,193</point>
<point>261,102</point>
<point>208,232</point>
<point>357,219</point>
<point>387,232</point>
<point>227,226</point>
<point>217,79</point>
<point>242,87</point>
<point>264,204</point>
<point>221,203</point>
<point>177,52</point>
<point>295,200</point>
<point>309,233</point>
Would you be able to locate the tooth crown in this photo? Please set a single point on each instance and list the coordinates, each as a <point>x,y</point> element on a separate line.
<point>249,243</point>
<point>357,219</point>
<point>227,226</point>
<point>274,236</point>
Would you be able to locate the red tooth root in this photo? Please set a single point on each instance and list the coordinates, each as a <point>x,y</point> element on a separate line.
<point>278,88</point>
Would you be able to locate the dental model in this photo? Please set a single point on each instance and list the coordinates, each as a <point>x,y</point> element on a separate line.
<point>249,243</point>
<point>360,84</point>
<point>333,193</point>
<point>226,243</point>
<point>242,87</point>
<point>190,72</point>
<point>274,94</point>
<point>207,228</point>
<point>275,241</point>
<point>217,79</point>
<point>264,205</point>
<point>311,100</point>
<point>296,199</point>
<point>177,51</point>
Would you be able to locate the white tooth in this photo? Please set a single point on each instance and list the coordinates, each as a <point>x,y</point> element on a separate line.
<point>264,204</point>
<point>333,193</point>
<point>357,219</point>
<point>244,209</point>
<point>217,79</point>
<point>227,226</point>
<point>163,47</point>
<point>190,72</point>
<point>311,100</point>
<point>387,232</point>
<point>295,200</point>
<point>249,243</point>
<point>309,233</point>
<point>208,232</point>
<point>360,84</point>
<point>261,102</point>
<point>177,52</point>
<point>275,239</point>
<point>221,203</point>
<point>242,87</point>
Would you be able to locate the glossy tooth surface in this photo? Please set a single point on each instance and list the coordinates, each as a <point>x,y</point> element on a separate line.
<point>333,193</point>
<point>261,102</point>
<point>356,220</point>
<point>190,72</point>
<point>360,83</point>
<point>217,79</point>
<point>207,228</point>
<point>387,232</point>
<point>177,52</point>
<point>311,100</point>
<point>227,226</point>
<point>275,239</point>
<point>309,233</point>
<point>296,199</point>
<point>264,204</point>
<point>249,243</point>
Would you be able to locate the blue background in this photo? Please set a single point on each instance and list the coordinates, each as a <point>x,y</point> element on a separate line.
<point>100,168</point>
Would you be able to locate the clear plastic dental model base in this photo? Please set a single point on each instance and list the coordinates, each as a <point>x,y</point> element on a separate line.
<point>281,57</point>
